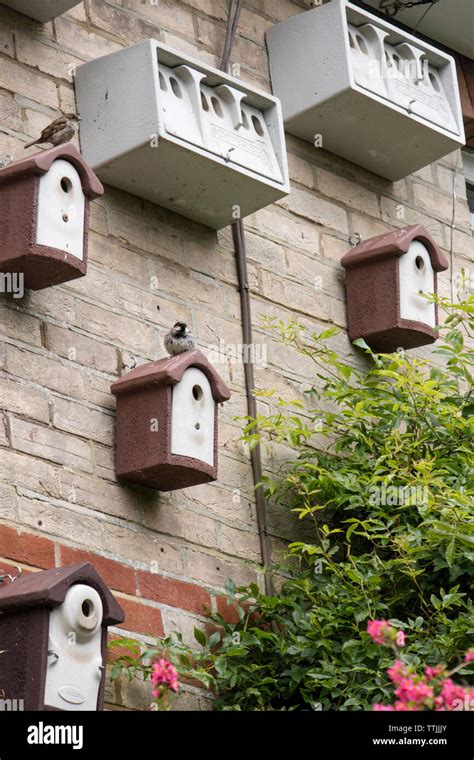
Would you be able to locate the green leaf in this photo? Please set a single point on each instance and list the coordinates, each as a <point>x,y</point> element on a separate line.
<point>200,637</point>
<point>360,342</point>
<point>214,639</point>
<point>450,549</point>
<point>351,529</point>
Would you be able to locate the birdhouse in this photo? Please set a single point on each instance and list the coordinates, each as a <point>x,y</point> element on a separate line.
<point>167,422</point>
<point>53,634</point>
<point>41,10</point>
<point>166,127</point>
<point>387,279</point>
<point>44,216</point>
<point>365,89</point>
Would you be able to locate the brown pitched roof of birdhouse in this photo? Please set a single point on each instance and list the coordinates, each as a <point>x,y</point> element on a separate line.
<point>39,163</point>
<point>170,371</point>
<point>48,588</point>
<point>395,243</point>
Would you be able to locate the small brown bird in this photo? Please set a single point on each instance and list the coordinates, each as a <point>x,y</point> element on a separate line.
<point>179,339</point>
<point>60,131</point>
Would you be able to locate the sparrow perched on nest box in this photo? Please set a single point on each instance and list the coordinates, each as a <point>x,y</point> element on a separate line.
<point>179,339</point>
<point>60,131</point>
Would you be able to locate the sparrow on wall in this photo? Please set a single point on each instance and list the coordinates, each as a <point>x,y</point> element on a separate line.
<point>179,339</point>
<point>60,131</point>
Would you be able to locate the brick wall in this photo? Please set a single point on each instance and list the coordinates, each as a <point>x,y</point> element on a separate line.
<point>61,348</point>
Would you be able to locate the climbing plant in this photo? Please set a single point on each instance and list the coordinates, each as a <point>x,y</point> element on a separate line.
<point>382,468</point>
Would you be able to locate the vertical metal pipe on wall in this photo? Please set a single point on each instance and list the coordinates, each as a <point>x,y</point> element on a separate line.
<point>238,235</point>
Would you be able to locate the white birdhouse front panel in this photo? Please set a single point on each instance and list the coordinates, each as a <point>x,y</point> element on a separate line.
<point>238,131</point>
<point>216,119</point>
<point>400,73</point>
<point>416,279</point>
<point>192,417</point>
<point>61,209</point>
<point>367,55</point>
<point>179,106</point>
<point>74,669</point>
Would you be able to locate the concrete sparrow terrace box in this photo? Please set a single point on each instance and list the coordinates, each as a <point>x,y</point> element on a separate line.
<point>41,10</point>
<point>167,422</point>
<point>181,134</point>
<point>386,277</point>
<point>376,95</point>
<point>53,638</point>
<point>44,216</point>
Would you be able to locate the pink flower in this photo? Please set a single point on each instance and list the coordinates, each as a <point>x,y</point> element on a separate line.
<point>431,673</point>
<point>380,631</point>
<point>400,639</point>
<point>383,708</point>
<point>164,673</point>
<point>452,694</point>
<point>469,656</point>
<point>397,672</point>
<point>414,691</point>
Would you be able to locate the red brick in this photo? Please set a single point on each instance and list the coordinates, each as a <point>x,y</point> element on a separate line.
<point>185,596</point>
<point>229,613</point>
<point>141,618</point>
<point>116,575</point>
<point>26,547</point>
<point>7,568</point>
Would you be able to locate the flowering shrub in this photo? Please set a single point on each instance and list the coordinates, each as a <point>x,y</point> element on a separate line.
<point>431,690</point>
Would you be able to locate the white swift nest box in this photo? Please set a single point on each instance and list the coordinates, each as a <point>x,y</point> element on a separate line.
<point>167,128</point>
<point>365,90</point>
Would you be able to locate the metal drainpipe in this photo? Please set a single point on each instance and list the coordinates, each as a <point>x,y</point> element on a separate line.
<point>238,235</point>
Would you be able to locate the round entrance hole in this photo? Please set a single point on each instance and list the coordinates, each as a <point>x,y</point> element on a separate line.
<point>419,263</point>
<point>66,184</point>
<point>87,608</point>
<point>197,392</point>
